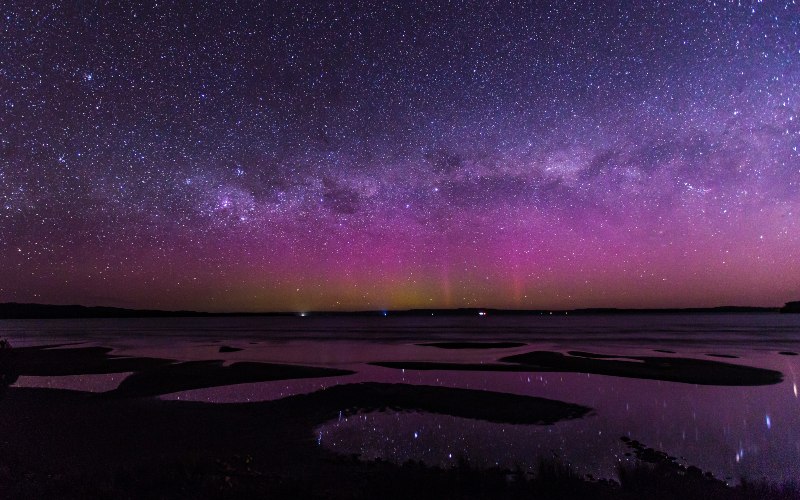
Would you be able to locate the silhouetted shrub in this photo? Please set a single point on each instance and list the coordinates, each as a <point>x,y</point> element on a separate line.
<point>8,374</point>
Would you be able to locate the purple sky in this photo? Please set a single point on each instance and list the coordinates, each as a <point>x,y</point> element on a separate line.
<point>369,155</point>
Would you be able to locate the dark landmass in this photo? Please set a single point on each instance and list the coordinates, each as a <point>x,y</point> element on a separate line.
<point>666,351</point>
<point>202,374</point>
<point>467,403</point>
<point>688,310</point>
<point>591,355</point>
<point>490,406</point>
<point>226,348</point>
<point>685,370</point>
<point>12,310</point>
<point>672,369</point>
<point>788,353</point>
<point>55,361</point>
<point>151,376</point>
<point>437,365</point>
<point>791,307</point>
<point>472,345</point>
<point>728,356</point>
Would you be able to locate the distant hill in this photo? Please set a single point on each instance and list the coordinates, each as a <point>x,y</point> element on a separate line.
<point>791,307</point>
<point>44,311</point>
<point>12,310</point>
<point>688,310</point>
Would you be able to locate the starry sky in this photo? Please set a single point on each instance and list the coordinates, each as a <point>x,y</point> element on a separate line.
<point>286,155</point>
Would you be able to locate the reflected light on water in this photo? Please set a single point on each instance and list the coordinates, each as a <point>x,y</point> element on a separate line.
<point>723,429</point>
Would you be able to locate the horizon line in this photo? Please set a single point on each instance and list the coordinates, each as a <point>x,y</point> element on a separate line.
<point>31,308</point>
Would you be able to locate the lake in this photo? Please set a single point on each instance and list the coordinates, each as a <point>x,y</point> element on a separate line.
<point>665,381</point>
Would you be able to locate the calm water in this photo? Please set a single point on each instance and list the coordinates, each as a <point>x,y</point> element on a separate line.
<point>730,431</point>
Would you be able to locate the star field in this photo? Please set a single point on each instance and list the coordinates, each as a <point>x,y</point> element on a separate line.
<point>367,155</point>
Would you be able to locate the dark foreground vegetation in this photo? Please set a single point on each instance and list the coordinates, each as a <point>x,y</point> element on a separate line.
<point>243,477</point>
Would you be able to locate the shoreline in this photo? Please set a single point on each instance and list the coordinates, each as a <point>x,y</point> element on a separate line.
<point>13,310</point>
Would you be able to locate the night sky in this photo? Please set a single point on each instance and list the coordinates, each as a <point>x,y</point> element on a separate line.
<point>370,155</point>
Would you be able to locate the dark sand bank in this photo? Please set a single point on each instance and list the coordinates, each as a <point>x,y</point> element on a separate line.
<point>481,405</point>
<point>671,369</point>
<point>688,370</point>
<point>152,376</point>
<point>472,345</point>
<point>201,374</point>
<point>226,348</point>
<point>55,361</point>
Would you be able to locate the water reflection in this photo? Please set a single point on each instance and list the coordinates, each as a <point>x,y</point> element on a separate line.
<point>445,441</point>
<point>732,431</point>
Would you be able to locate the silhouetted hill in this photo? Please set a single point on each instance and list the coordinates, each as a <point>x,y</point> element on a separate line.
<point>688,310</point>
<point>45,311</point>
<point>791,307</point>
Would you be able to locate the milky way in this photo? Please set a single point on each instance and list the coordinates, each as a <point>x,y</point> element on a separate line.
<point>367,155</point>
